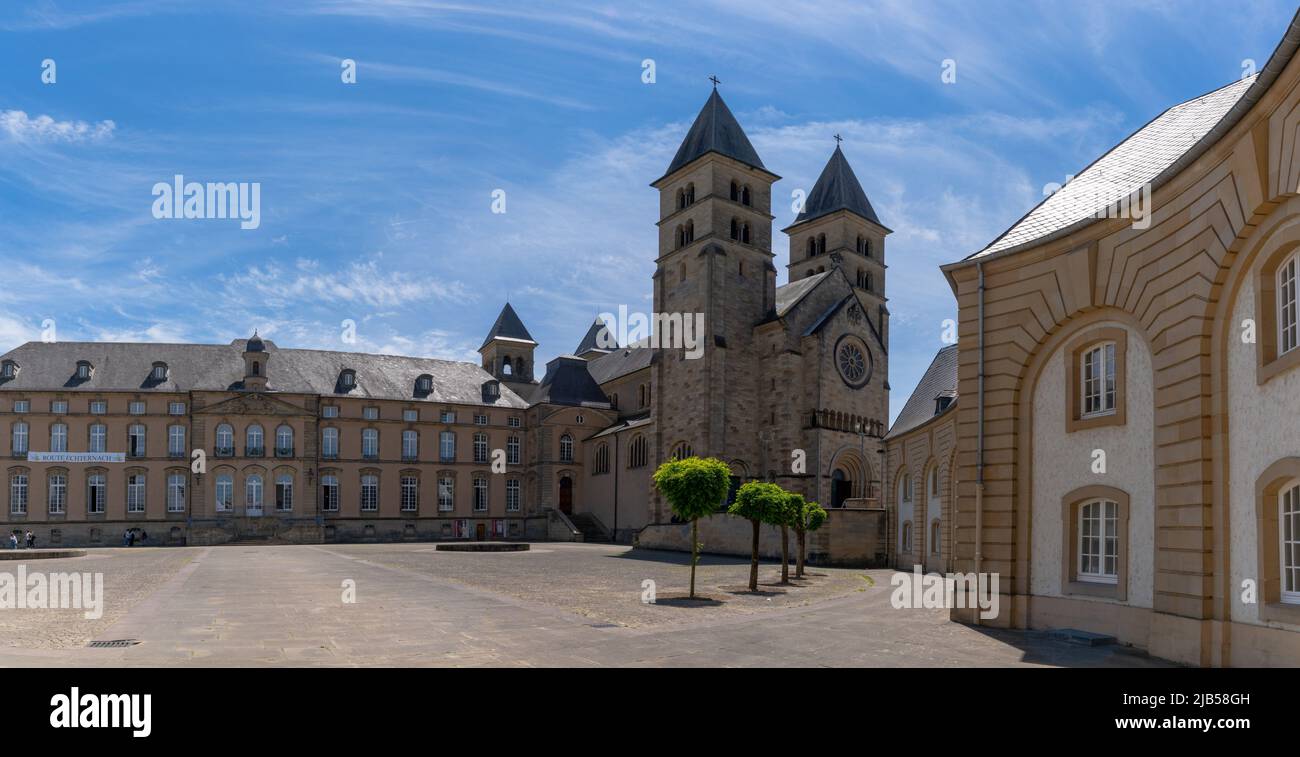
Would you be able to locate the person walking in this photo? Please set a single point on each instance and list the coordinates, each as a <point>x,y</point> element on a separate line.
<point>13,540</point>
<point>31,540</point>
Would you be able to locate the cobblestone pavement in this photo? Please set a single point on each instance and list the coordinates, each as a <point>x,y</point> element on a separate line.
<point>561,605</point>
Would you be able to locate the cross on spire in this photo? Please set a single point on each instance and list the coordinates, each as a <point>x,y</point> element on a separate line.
<point>716,81</point>
<point>838,139</point>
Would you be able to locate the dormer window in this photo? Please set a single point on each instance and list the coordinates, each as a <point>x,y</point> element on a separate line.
<point>424,384</point>
<point>348,379</point>
<point>8,369</point>
<point>491,390</point>
<point>83,370</point>
<point>257,368</point>
<point>941,403</point>
<point>159,372</point>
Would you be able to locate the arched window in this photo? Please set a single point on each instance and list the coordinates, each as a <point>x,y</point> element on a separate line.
<point>225,492</point>
<point>735,229</point>
<point>636,452</point>
<point>175,492</point>
<point>821,244</point>
<point>600,462</point>
<point>735,191</point>
<point>682,451</point>
<point>934,537</point>
<point>690,194</point>
<point>866,247</point>
<point>566,449</point>
<point>681,199</point>
<point>744,195</point>
<point>520,370</point>
<point>1098,542</point>
<point>254,444</point>
<point>284,492</point>
<point>284,441</point>
<point>744,233</point>
<point>225,441</point>
<point>812,247</point>
<point>861,245</point>
<point>253,493</point>
<point>905,544</point>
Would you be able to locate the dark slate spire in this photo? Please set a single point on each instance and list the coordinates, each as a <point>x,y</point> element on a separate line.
<point>508,326</point>
<point>715,130</point>
<point>567,382</point>
<point>837,189</point>
<point>595,341</point>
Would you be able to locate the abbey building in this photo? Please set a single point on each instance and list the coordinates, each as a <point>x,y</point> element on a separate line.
<point>202,444</point>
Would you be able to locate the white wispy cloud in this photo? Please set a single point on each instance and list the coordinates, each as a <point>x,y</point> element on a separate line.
<point>18,126</point>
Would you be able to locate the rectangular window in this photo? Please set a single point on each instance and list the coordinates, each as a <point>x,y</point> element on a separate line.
<point>329,443</point>
<point>1289,533</point>
<point>480,494</point>
<point>19,439</point>
<point>59,407</point>
<point>135,493</point>
<point>18,494</point>
<point>410,416</point>
<point>284,493</point>
<point>59,437</point>
<point>329,493</point>
<point>1099,542</point>
<point>98,407</point>
<point>176,493</point>
<point>370,413</point>
<point>410,445</point>
<point>369,493</point>
<point>58,493</point>
<point>176,441</point>
<point>135,441</point>
<point>225,493</point>
<point>22,406</point>
<point>329,411</point>
<point>480,420</point>
<point>1286,307</point>
<point>447,446</point>
<point>512,495</point>
<point>369,443</point>
<point>480,448</point>
<point>512,450</point>
<point>176,408</point>
<point>513,422</point>
<point>410,494</point>
<point>137,408</point>
<point>448,416</point>
<point>446,494</point>
<point>96,493</point>
<point>1098,380</point>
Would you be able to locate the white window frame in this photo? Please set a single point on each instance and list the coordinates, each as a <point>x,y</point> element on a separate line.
<point>134,431</point>
<point>447,446</point>
<point>512,450</point>
<point>175,492</point>
<point>480,494</point>
<point>58,493</point>
<point>329,411</point>
<point>370,413</point>
<point>96,493</point>
<point>329,488</point>
<point>254,493</point>
<point>283,433</point>
<point>446,494</point>
<point>59,407</point>
<point>512,495</point>
<point>1288,308</point>
<point>226,482</point>
<point>22,406</point>
<point>1097,513</point>
<point>19,493</point>
<point>136,408</point>
<point>329,442</point>
<point>410,444</point>
<point>98,407</point>
<point>370,443</point>
<point>136,490</point>
<point>284,493</point>
<point>1288,536</point>
<point>410,494</point>
<point>369,493</point>
<point>176,408</point>
<point>176,441</point>
<point>228,431</point>
<point>1100,388</point>
<point>410,416</point>
<point>480,448</point>
<point>20,438</point>
<point>58,437</point>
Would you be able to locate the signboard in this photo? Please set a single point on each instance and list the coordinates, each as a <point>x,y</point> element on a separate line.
<point>76,457</point>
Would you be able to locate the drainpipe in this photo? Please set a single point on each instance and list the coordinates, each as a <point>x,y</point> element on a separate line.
<point>979,455</point>
<point>617,472</point>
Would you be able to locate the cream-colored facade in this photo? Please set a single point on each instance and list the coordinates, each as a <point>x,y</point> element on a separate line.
<point>1189,468</point>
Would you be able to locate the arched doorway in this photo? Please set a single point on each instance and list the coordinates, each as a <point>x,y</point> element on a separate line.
<point>566,496</point>
<point>841,488</point>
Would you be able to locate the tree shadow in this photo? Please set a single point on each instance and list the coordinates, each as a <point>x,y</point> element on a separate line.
<point>743,589</point>
<point>685,601</point>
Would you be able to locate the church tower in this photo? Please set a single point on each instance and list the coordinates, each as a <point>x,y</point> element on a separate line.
<point>507,352</point>
<point>715,260</point>
<point>838,228</point>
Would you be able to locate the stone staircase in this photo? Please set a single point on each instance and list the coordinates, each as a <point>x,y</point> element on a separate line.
<point>591,527</point>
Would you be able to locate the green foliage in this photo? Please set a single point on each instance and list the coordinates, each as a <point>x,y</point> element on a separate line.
<point>792,510</point>
<point>693,486</point>
<point>760,501</point>
<point>813,516</point>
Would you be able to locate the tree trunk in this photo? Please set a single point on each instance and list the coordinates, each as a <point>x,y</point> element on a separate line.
<point>785,554</point>
<point>695,551</point>
<point>798,568</point>
<point>753,561</point>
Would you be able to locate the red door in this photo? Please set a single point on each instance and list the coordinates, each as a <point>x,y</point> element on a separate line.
<point>566,496</point>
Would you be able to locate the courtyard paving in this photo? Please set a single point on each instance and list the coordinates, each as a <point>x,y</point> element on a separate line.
<point>556,605</point>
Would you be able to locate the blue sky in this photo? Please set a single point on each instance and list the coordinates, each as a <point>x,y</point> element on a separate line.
<point>376,197</point>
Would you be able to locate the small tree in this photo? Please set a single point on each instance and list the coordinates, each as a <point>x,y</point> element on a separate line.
<point>694,487</point>
<point>811,517</point>
<point>759,503</point>
<point>788,516</point>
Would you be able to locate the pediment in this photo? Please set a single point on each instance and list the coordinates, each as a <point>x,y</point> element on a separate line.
<point>252,403</point>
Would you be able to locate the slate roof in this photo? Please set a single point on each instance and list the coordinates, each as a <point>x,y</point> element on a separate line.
<point>508,326</point>
<point>630,423</point>
<point>593,340</point>
<point>715,130</point>
<point>940,379</point>
<point>836,189</point>
<point>1136,161</point>
<point>621,362</point>
<point>567,382</point>
<point>789,295</point>
<point>121,366</point>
